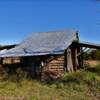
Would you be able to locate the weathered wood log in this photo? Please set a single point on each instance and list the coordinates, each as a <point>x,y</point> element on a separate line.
<point>69,61</point>
<point>76,60</point>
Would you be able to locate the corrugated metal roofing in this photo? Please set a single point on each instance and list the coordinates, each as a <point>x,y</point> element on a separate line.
<point>43,43</point>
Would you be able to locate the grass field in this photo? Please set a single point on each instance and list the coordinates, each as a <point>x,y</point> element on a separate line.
<point>82,85</point>
<point>92,63</point>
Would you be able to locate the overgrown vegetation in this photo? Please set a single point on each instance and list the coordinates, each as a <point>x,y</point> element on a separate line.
<point>93,55</point>
<point>82,85</point>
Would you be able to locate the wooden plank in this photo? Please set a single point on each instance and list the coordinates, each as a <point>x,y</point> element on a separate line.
<point>57,64</point>
<point>56,68</point>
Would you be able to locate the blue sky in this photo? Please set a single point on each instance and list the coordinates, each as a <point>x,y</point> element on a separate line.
<point>20,18</point>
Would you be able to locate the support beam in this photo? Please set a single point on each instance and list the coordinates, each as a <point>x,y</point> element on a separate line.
<point>65,61</point>
<point>69,61</point>
<point>81,57</point>
<point>82,51</point>
<point>76,60</point>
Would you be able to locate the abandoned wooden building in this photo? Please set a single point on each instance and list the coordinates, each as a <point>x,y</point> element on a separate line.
<point>56,51</point>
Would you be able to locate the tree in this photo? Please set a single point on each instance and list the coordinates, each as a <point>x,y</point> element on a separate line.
<point>93,55</point>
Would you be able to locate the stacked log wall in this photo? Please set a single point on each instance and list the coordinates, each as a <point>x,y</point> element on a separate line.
<point>56,64</point>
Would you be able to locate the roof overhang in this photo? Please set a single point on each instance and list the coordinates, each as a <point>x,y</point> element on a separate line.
<point>87,45</point>
<point>7,46</point>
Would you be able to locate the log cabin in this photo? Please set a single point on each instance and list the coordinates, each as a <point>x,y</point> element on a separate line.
<point>55,51</point>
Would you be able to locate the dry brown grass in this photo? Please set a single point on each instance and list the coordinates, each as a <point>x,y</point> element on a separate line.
<point>92,63</point>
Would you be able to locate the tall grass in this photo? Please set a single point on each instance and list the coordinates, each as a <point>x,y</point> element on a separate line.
<point>81,85</point>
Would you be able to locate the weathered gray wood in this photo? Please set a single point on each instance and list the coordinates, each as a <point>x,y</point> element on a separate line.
<point>69,61</point>
<point>81,57</point>
<point>76,60</point>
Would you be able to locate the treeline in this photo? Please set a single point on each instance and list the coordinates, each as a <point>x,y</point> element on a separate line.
<point>93,55</point>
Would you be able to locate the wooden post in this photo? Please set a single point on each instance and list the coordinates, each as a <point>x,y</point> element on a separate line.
<point>65,61</point>
<point>76,60</point>
<point>1,63</point>
<point>69,61</point>
<point>74,57</point>
<point>81,58</point>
